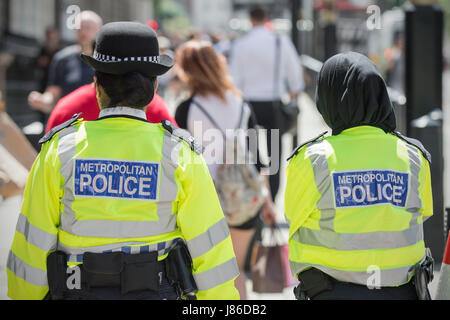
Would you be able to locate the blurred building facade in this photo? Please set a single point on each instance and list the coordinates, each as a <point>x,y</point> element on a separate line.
<point>219,14</point>
<point>22,32</point>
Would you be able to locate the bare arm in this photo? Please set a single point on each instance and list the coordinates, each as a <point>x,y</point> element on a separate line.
<point>46,101</point>
<point>268,212</point>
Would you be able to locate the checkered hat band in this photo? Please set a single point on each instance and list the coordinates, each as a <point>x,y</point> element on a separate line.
<point>107,58</point>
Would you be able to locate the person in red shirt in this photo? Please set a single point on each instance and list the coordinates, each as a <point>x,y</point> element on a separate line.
<point>84,100</point>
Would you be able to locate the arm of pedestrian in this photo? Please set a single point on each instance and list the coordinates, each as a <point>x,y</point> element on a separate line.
<point>50,97</point>
<point>46,101</point>
<point>293,95</point>
<point>237,67</point>
<point>292,65</point>
<point>268,212</point>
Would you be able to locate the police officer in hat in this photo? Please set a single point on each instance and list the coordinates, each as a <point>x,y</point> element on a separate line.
<point>357,200</point>
<point>120,208</point>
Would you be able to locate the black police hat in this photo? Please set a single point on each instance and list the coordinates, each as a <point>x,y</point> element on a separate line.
<point>123,47</point>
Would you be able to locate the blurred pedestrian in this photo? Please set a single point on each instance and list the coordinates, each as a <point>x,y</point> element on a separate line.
<point>84,100</point>
<point>43,60</point>
<point>357,200</point>
<point>216,104</point>
<point>165,79</point>
<point>395,70</point>
<point>67,72</point>
<point>48,50</point>
<point>261,62</point>
<point>223,43</point>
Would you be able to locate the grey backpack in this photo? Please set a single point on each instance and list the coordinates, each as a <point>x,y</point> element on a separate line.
<point>240,187</point>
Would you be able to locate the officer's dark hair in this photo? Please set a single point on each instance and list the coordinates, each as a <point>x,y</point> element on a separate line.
<point>258,14</point>
<point>129,90</point>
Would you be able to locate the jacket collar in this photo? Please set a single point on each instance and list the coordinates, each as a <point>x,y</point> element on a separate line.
<point>122,111</point>
<point>363,129</point>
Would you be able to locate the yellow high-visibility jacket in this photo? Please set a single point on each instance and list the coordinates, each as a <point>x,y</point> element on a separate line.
<point>120,183</point>
<point>356,203</point>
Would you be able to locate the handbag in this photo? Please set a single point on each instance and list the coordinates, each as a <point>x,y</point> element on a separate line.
<point>289,111</point>
<point>240,187</point>
<point>267,271</point>
<point>270,272</point>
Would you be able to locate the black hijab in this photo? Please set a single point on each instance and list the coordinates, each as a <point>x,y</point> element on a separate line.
<point>351,93</point>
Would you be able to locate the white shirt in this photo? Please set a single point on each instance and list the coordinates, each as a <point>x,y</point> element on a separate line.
<point>226,115</point>
<point>252,66</point>
<point>127,111</point>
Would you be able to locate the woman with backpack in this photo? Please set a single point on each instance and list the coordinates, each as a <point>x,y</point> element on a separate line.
<point>214,113</point>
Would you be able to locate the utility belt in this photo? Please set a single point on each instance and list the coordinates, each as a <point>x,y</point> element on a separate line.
<point>129,272</point>
<point>314,282</point>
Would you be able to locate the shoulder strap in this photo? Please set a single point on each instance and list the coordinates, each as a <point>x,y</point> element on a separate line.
<point>415,143</point>
<point>183,135</point>
<point>304,144</point>
<point>254,121</point>
<point>241,116</point>
<point>215,124</point>
<point>58,128</point>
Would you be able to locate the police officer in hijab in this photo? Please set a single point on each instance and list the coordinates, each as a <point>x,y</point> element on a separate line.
<point>357,199</point>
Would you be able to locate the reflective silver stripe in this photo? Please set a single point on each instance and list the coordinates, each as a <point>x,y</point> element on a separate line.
<point>126,229</point>
<point>37,237</point>
<point>209,239</point>
<point>168,188</point>
<point>26,272</point>
<point>360,241</point>
<point>110,228</point>
<point>220,274</point>
<point>322,177</point>
<point>135,250</point>
<point>413,202</point>
<point>388,277</point>
<point>66,153</point>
